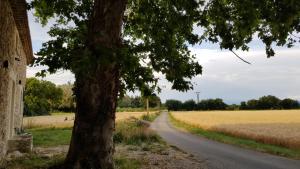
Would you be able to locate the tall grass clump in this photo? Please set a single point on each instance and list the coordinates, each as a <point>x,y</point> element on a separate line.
<point>133,133</point>
<point>150,117</point>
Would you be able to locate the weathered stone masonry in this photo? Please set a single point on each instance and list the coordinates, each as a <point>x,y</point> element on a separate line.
<point>15,53</point>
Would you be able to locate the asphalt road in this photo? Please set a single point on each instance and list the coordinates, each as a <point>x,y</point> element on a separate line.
<point>219,155</point>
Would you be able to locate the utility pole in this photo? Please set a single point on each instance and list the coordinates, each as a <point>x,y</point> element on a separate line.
<point>147,105</point>
<point>198,93</point>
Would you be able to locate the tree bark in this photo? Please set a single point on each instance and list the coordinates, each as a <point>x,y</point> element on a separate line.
<point>92,137</point>
<point>96,92</point>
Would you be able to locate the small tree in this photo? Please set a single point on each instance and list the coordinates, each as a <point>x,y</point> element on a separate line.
<point>137,101</point>
<point>211,104</point>
<point>68,100</point>
<point>268,102</point>
<point>219,104</point>
<point>154,101</point>
<point>125,101</point>
<point>189,105</point>
<point>243,106</point>
<point>289,104</point>
<point>252,104</point>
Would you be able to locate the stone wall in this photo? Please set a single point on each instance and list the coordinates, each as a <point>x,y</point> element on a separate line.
<point>12,76</point>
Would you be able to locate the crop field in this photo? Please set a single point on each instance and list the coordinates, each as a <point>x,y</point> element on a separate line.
<point>67,119</point>
<point>278,127</point>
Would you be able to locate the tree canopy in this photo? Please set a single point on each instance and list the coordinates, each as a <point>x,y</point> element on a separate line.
<point>116,45</point>
<point>156,35</point>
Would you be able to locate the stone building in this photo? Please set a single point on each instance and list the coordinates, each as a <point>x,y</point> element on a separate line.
<point>15,54</point>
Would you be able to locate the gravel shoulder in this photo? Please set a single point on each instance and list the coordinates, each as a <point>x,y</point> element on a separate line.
<point>156,156</point>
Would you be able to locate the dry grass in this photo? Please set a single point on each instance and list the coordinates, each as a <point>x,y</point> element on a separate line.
<point>62,120</point>
<point>279,127</point>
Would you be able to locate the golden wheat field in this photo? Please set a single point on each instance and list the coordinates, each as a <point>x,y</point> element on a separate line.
<point>67,119</point>
<point>279,127</point>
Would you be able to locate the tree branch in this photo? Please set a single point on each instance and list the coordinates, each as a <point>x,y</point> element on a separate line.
<point>295,36</point>
<point>240,57</point>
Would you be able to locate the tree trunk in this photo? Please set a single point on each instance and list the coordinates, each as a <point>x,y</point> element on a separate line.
<point>92,138</point>
<point>96,92</point>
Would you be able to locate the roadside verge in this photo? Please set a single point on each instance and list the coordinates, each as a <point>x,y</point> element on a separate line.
<point>241,142</point>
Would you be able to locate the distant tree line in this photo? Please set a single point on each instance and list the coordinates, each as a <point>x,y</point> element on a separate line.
<point>209,104</point>
<point>263,103</point>
<point>138,101</point>
<point>269,102</point>
<point>42,97</point>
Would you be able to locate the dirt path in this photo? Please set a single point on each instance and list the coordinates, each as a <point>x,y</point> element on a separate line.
<point>219,155</point>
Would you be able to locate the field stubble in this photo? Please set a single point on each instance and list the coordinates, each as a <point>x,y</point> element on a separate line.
<point>65,120</point>
<point>278,127</point>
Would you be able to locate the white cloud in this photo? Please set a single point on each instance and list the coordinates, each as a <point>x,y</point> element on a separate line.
<point>225,76</point>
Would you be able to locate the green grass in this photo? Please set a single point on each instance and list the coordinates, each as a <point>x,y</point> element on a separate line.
<point>48,137</point>
<point>34,161</point>
<point>242,142</point>
<point>128,132</point>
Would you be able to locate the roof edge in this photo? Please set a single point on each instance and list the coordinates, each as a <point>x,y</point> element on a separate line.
<point>19,9</point>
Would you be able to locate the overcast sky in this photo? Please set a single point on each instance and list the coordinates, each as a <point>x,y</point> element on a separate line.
<point>224,76</point>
